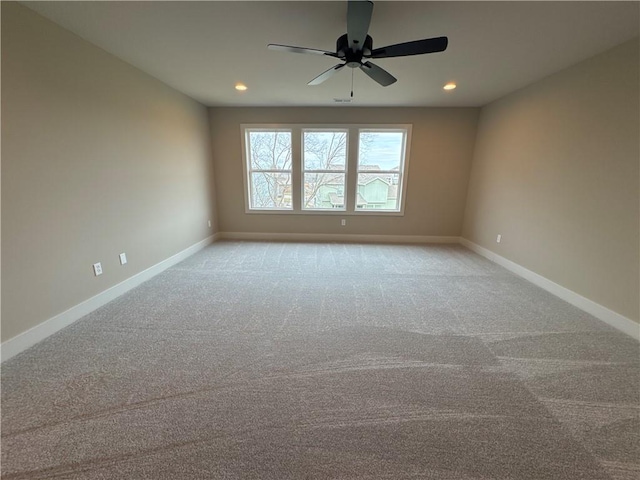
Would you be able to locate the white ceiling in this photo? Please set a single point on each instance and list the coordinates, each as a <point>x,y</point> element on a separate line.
<point>204,48</point>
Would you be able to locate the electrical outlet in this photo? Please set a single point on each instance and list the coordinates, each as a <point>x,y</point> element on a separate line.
<point>498,238</point>
<point>123,258</point>
<point>209,223</point>
<point>343,222</point>
<point>97,269</point>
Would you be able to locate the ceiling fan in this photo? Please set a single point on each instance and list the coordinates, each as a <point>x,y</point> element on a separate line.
<point>356,45</point>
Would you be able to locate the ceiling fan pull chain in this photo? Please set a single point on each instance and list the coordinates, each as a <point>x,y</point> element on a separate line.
<point>352,83</point>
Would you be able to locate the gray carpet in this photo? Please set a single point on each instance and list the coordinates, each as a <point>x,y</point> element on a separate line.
<point>318,361</point>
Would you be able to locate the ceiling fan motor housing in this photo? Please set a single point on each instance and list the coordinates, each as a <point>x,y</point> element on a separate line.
<point>353,59</point>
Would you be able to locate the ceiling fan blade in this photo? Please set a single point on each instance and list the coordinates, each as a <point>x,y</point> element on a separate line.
<point>417,47</point>
<point>326,74</point>
<point>358,20</point>
<point>290,49</point>
<point>378,74</point>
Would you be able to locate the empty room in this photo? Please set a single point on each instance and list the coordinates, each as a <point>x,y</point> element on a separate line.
<point>320,240</point>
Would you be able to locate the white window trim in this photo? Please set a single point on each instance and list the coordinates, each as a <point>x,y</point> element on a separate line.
<point>353,138</point>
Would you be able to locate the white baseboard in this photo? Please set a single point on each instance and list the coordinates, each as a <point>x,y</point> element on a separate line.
<point>21,342</point>
<point>608,316</point>
<point>337,237</point>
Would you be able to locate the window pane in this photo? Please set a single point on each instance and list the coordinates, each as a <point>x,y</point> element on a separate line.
<point>378,191</point>
<point>380,150</point>
<point>270,150</point>
<point>271,190</point>
<point>324,191</point>
<point>325,150</point>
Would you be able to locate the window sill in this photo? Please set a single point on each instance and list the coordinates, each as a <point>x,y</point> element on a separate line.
<point>330,213</point>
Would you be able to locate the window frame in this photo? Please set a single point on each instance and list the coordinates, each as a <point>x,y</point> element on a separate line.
<point>249,170</point>
<point>304,170</point>
<point>401,170</point>
<point>297,172</point>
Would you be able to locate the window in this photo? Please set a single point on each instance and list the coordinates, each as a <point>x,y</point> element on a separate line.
<point>380,169</point>
<point>326,169</point>
<point>269,161</point>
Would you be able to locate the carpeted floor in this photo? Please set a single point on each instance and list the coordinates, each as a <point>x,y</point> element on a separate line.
<point>318,361</point>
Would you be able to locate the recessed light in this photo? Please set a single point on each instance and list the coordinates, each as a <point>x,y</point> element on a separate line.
<point>450,86</point>
<point>241,86</point>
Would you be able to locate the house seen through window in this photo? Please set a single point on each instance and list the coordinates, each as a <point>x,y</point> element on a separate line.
<point>348,169</point>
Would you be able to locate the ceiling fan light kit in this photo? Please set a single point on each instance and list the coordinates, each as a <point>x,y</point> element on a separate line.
<point>355,47</point>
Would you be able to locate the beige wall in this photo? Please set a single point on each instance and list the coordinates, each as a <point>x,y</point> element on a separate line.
<point>98,158</point>
<point>441,151</point>
<point>556,172</point>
